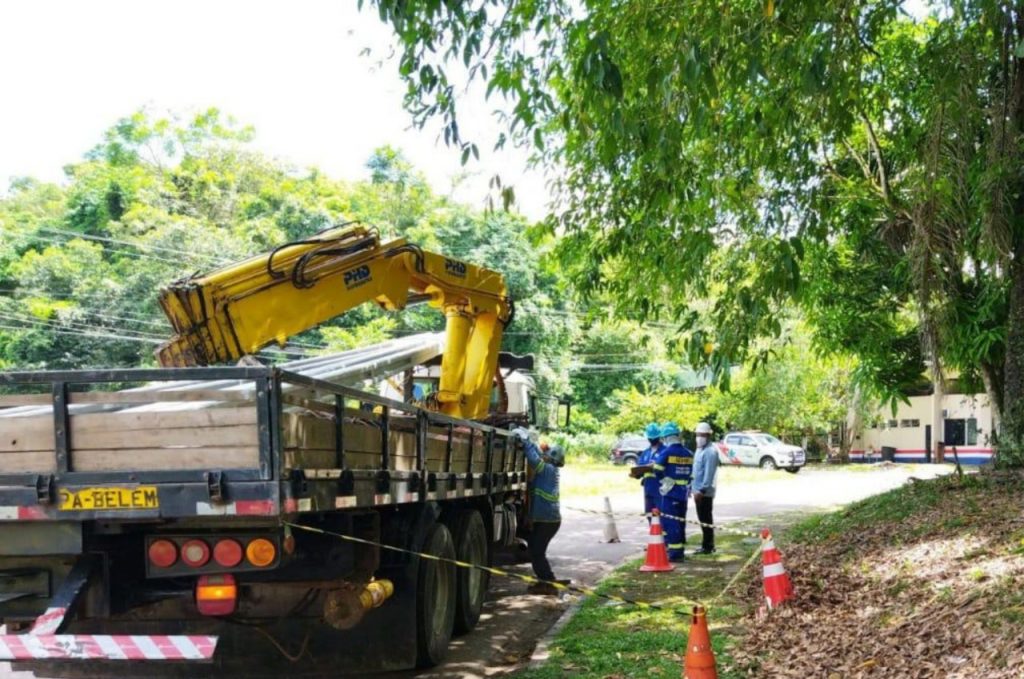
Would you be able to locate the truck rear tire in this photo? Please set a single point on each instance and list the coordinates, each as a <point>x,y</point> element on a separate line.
<point>435,597</point>
<point>471,546</point>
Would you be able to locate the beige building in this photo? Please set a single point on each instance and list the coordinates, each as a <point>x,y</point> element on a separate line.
<point>916,429</point>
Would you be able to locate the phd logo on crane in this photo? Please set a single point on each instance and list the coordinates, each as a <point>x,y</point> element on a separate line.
<point>357,276</point>
<point>454,267</point>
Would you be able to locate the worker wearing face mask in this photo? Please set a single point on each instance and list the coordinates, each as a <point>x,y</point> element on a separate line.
<point>705,475</point>
<point>673,465</point>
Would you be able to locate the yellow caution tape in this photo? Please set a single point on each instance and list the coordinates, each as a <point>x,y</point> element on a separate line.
<point>718,527</point>
<point>495,571</point>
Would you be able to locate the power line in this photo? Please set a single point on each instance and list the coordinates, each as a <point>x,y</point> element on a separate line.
<point>142,246</point>
<point>47,323</point>
<point>85,334</point>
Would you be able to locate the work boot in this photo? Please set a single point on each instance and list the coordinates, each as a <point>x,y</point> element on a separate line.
<point>704,552</point>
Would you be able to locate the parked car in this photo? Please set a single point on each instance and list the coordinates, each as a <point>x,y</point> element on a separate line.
<point>627,449</point>
<point>757,449</point>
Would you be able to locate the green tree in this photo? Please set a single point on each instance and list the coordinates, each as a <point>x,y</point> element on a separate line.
<point>723,143</point>
<point>635,409</point>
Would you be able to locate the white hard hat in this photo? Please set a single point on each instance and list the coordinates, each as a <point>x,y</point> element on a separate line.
<point>703,428</point>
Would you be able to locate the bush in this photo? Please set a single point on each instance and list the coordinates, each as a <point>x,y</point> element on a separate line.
<point>585,447</point>
<point>635,410</point>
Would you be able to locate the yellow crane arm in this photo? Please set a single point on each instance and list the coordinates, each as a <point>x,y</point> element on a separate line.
<point>236,310</point>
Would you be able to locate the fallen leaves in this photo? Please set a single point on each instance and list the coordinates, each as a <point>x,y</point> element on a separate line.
<point>937,594</point>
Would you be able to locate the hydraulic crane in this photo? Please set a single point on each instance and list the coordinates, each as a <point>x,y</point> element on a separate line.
<point>238,309</point>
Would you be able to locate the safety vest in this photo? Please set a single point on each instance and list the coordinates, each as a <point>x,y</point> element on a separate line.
<point>675,462</point>
<point>544,503</point>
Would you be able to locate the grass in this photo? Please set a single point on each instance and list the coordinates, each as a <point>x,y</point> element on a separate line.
<point>891,506</point>
<point>605,639</point>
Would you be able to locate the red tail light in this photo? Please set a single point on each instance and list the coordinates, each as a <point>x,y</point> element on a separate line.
<point>216,594</point>
<point>163,553</point>
<point>227,553</point>
<point>195,553</point>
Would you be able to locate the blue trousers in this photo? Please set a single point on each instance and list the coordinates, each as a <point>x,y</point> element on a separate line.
<point>675,531</point>
<point>651,502</point>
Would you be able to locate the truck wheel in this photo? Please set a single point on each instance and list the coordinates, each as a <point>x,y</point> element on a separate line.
<point>768,463</point>
<point>793,470</point>
<point>435,600</point>
<point>471,583</point>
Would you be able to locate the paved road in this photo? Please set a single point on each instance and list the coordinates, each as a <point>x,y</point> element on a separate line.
<point>579,552</point>
<point>513,621</point>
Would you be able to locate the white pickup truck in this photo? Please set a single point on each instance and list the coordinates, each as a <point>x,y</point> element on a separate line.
<point>757,449</point>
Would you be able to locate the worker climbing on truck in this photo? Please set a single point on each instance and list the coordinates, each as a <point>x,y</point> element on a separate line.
<point>545,513</point>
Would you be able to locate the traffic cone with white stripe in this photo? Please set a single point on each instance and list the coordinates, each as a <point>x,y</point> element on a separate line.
<point>611,533</point>
<point>656,560</point>
<point>699,662</point>
<point>777,586</point>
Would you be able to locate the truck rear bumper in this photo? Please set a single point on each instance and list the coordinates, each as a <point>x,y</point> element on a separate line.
<point>21,647</point>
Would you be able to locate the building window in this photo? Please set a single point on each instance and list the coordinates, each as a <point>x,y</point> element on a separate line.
<point>961,432</point>
<point>910,423</point>
<point>892,424</point>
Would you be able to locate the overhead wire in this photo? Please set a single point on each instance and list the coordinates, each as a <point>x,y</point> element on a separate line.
<point>86,334</point>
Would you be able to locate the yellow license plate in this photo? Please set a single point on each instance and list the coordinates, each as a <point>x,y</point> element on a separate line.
<point>91,499</point>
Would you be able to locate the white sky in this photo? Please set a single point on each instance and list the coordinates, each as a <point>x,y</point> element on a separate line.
<point>69,69</point>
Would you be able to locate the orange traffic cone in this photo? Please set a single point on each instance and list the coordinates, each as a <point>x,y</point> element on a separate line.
<point>700,660</point>
<point>657,555</point>
<point>777,585</point>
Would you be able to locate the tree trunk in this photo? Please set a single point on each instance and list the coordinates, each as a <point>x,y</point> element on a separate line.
<point>1011,435</point>
<point>992,377</point>
<point>1010,441</point>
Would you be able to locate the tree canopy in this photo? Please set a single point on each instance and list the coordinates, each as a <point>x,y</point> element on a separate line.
<point>718,163</point>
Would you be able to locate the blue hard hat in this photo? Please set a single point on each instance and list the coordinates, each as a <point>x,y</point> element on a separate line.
<point>669,429</point>
<point>653,431</point>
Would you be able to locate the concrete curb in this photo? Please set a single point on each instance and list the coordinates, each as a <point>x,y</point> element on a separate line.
<point>541,652</point>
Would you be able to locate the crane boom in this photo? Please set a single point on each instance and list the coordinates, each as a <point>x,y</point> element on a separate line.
<point>238,309</point>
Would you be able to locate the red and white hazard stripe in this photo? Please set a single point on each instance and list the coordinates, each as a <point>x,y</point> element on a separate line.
<point>24,513</point>
<point>49,621</point>
<point>105,647</point>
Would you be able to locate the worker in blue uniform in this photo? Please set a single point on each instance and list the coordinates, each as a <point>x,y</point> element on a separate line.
<point>648,480</point>
<point>673,468</point>
<point>545,512</point>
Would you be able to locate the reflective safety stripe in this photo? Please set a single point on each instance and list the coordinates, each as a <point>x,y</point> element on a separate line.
<point>680,482</point>
<point>655,539</point>
<point>676,545</point>
<point>659,467</point>
<point>540,465</point>
<point>648,475</point>
<point>773,569</point>
<point>545,495</point>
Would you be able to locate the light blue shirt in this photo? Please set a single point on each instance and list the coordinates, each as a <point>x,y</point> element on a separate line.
<point>705,470</point>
